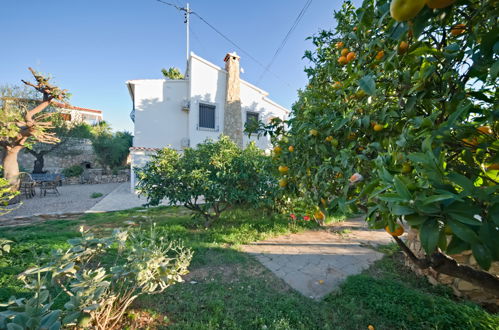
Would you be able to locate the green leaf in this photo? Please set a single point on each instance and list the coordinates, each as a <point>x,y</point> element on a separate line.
<point>401,210</point>
<point>457,245</point>
<point>401,188</point>
<point>429,235</point>
<point>415,219</point>
<point>462,182</point>
<point>463,212</point>
<point>482,255</point>
<point>437,198</point>
<point>368,84</point>
<point>463,231</point>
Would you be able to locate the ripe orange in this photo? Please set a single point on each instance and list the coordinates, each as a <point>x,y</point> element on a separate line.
<point>438,4</point>
<point>283,169</point>
<point>313,132</point>
<point>458,29</point>
<point>399,230</point>
<point>319,215</point>
<point>277,150</point>
<point>344,51</point>
<point>404,10</point>
<point>329,138</point>
<point>283,183</point>
<point>355,28</point>
<point>485,130</point>
<point>352,136</point>
<point>337,85</point>
<point>323,201</point>
<point>402,48</point>
<point>339,44</point>
<point>351,56</point>
<point>378,127</point>
<point>380,55</point>
<point>342,60</point>
<point>291,148</point>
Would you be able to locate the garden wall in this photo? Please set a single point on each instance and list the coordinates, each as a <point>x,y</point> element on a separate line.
<point>459,286</point>
<point>78,152</point>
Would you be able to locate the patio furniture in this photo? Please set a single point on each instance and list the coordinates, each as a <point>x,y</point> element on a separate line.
<point>46,177</point>
<point>27,185</point>
<point>50,187</point>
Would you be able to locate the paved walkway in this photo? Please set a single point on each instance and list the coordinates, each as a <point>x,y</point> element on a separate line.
<point>73,198</point>
<point>316,262</point>
<point>120,199</point>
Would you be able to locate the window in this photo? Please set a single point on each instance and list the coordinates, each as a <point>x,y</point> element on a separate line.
<point>206,116</point>
<point>252,120</point>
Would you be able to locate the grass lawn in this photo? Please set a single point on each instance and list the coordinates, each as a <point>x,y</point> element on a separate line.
<point>227,289</point>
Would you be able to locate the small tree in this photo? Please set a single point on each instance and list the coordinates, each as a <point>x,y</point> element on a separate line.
<point>69,135</point>
<point>23,122</point>
<point>209,179</point>
<point>172,73</point>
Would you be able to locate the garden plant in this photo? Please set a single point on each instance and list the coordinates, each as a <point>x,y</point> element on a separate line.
<point>209,179</point>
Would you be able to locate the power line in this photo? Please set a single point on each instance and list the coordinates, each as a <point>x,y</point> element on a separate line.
<point>286,37</point>
<point>227,39</point>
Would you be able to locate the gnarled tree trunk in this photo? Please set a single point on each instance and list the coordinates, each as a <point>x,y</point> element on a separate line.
<point>11,166</point>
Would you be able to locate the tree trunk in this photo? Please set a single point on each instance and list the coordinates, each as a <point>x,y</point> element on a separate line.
<point>39,163</point>
<point>11,167</point>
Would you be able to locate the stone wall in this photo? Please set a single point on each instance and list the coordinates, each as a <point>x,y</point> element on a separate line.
<point>77,152</point>
<point>460,287</point>
<point>97,176</point>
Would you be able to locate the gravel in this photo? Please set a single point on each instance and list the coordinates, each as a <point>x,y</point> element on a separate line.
<point>73,198</point>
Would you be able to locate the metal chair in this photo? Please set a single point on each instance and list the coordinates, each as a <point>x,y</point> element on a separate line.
<point>50,187</point>
<point>27,185</point>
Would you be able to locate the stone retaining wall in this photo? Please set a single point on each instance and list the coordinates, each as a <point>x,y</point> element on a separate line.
<point>460,287</point>
<point>97,176</point>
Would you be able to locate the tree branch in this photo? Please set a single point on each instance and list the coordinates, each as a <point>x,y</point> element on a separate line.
<point>448,266</point>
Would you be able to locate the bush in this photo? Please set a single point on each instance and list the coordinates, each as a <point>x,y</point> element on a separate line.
<point>75,170</point>
<point>98,293</point>
<point>209,179</point>
<point>111,149</point>
<point>7,194</point>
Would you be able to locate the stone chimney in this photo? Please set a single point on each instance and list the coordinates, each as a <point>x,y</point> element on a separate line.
<point>233,122</point>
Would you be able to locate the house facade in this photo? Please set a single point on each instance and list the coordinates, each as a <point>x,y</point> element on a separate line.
<point>209,102</point>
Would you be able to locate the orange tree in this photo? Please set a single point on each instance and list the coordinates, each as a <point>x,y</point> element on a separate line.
<point>400,120</point>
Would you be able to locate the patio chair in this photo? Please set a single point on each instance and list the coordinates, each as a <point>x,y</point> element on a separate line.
<point>50,187</point>
<point>27,185</point>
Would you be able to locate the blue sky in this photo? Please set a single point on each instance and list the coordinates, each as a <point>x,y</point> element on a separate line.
<point>92,47</point>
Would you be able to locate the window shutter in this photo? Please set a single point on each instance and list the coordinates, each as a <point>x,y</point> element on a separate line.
<point>206,116</point>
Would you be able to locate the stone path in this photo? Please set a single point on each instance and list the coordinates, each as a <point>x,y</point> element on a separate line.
<point>316,262</point>
<point>119,199</point>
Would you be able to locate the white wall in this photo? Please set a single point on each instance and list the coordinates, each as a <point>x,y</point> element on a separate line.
<point>254,99</point>
<point>159,119</point>
<point>207,85</point>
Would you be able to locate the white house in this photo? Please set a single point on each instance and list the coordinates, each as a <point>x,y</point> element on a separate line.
<point>210,101</point>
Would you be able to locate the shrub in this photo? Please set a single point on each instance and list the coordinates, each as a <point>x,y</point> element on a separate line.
<point>7,194</point>
<point>98,292</point>
<point>75,170</point>
<point>209,179</point>
<point>111,149</point>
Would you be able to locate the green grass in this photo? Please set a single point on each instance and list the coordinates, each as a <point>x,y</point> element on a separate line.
<point>96,195</point>
<point>227,289</point>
